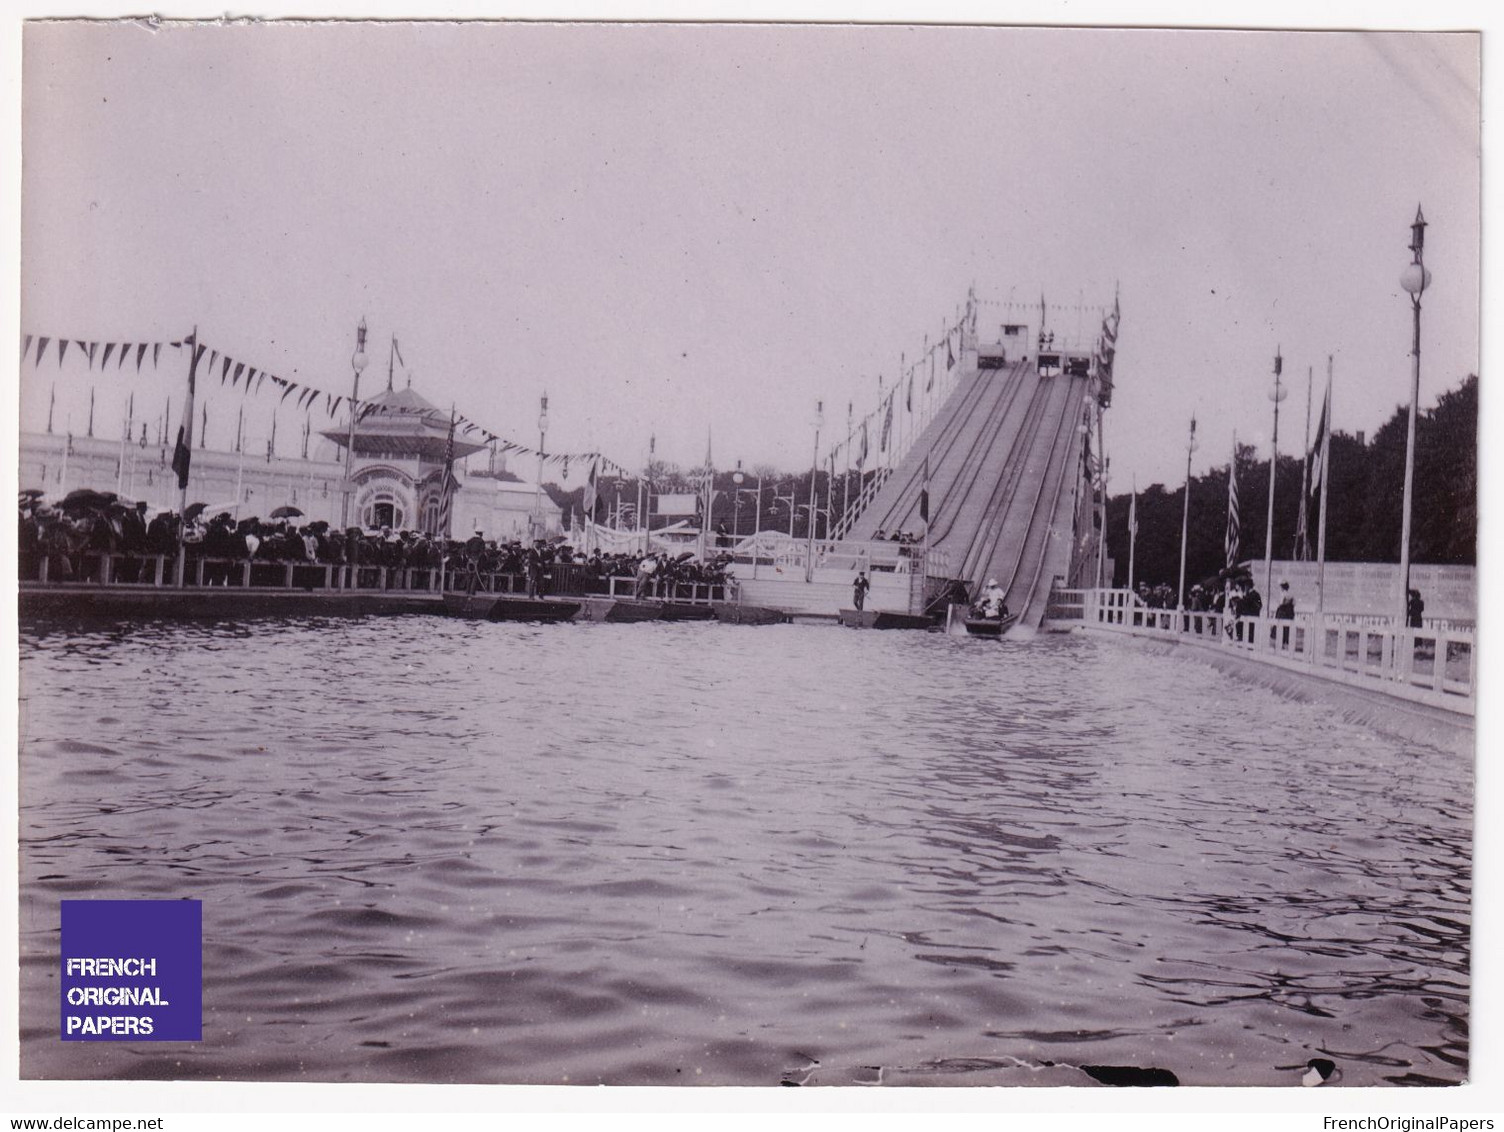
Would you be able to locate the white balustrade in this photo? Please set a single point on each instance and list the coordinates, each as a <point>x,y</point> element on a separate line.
<point>1435,663</point>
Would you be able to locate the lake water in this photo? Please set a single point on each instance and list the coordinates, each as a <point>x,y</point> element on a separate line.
<point>434,850</point>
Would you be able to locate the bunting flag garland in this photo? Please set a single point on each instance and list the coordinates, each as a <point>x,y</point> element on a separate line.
<point>950,358</point>
<point>232,371</point>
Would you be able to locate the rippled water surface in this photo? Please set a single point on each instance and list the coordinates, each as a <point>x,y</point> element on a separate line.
<point>435,850</point>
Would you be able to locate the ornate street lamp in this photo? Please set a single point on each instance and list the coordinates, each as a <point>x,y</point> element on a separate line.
<point>1414,279</point>
<point>1277,393</point>
<point>538,487</point>
<point>357,363</point>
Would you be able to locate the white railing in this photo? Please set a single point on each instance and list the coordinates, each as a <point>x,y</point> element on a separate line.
<point>880,556</point>
<point>863,498</point>
<point>1436,663</point>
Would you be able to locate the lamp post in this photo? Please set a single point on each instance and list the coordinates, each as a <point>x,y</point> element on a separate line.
<point>357,363</point>
<point>1414,279</point>
<point>1277,393</point>
<point>538,487</point>
<point>1185,516</point>
<point>818,422</point>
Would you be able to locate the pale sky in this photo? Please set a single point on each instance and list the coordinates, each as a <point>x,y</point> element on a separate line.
<point>692,230</point>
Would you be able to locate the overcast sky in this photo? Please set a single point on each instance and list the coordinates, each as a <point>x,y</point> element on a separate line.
<point>692,230</point>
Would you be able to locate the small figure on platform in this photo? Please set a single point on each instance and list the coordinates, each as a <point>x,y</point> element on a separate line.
<point>859,590</point>
<point>475,547</point>
<point>1285,610</point>
<point>1414,607</point>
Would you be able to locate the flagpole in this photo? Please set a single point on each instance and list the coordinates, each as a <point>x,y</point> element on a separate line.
<point>186,449</point>
<point>1102,502</point>
<point>924,554</point>
<point>846,478</point>
<point>240,460</point>
<point>1185,516</point>
<point>120,467</point>
<point>1132,532</point>
<point>1326,478</point>
<point>1234,528</point>
<point>1277,394</point>
<point>1302,530</point>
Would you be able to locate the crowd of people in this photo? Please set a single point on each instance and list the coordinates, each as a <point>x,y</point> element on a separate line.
<point>76,534</point>
<point>1240,598</point>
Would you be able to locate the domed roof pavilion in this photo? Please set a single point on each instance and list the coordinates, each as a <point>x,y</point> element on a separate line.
<point>402,424</point>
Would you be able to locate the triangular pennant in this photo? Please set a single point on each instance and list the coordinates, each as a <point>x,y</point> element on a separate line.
<point>156,353</point>
<point>91,348</point>
<point>125,348</point>
<point>109,348</point>
<point>213,357</point>
<point>250,375</point>
<point>41,349</point>
<point>287,387</point>
<point>25,347</point>
<point>140,353</point>
<point>62,348</point>
<point>235,378</point>
<point>225,369</point>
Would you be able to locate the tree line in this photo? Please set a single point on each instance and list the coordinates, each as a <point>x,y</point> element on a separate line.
<point>1365,501</point>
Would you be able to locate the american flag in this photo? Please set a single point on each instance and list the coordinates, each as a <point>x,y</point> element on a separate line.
<point>448,486</point>
<point>1233,530</point>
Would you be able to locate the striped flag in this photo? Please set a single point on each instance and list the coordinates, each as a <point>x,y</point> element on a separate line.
<point>1319,452</point>
<point>182,452</point>
<point>587,503</point>
<point>1233,530</point>
<point>448,486</point>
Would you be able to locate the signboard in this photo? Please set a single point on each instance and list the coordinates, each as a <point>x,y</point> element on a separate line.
<point>684,504</point>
